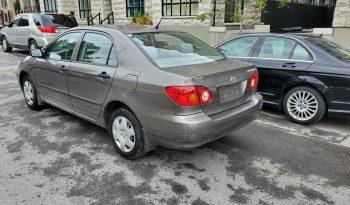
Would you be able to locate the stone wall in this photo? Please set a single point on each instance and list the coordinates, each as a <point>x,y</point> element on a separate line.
<point>342,14</point>
<point>252,12</point>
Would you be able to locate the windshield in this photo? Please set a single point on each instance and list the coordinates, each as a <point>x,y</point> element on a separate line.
<point>332,47</point>
<point>170,49</point>
<point>57,20</point>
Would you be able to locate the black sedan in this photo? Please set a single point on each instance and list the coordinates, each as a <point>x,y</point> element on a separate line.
<point>306,76</point>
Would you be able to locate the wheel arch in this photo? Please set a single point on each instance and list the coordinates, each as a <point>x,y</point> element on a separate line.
<point>308,81</point>
<point>21,77</point>
<point>110,107</point>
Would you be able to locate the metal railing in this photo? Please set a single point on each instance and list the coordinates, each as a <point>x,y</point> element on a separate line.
<point>90,21</point>
<point>108,19</point>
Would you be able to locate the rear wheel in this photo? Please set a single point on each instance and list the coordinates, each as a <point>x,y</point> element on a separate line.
<point>127,135</point>
<point>5,45</point>
<point>304,105</point>
<point>32,45</point>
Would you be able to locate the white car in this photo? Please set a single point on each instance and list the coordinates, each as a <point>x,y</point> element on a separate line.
<point>33,30</point>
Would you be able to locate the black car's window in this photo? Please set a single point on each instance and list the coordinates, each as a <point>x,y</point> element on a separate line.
<point>331,47</point>
<point>63,47</point>
<point>15,21</point>
<point>240,47</point>
<point>276,47</point>
<point>24,21</point>
<point>112,60</point>
<point>300,53</point>
<point>95,48</point>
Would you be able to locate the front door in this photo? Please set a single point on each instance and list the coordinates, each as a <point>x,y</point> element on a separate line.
<point>279,59</point>
<point>52,70</point>
<point>91,75</point>
<point>11,33</point>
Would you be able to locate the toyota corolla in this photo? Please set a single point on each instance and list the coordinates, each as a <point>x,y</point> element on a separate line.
<point>148,87</point>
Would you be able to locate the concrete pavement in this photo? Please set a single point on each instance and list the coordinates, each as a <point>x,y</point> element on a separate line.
<point>52,157</point>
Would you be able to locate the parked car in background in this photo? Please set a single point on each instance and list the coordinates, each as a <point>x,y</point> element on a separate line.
<point>306,76</point>
<point>147,86</point>
<point>33,30</point>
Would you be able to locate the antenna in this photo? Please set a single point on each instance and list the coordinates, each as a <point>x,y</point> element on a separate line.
<point>157,26</point>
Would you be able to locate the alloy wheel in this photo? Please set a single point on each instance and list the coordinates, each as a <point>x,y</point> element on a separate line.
<point>4,44</point>
<point>123,134</point>
<point>28,92</point>
<point>302,105</point>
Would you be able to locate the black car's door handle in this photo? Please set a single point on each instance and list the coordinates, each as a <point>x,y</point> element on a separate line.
<point>63,68</point>
<point>104,75</point>
<point>289,65</point>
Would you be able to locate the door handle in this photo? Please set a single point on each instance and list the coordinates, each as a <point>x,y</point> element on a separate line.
<point>289,65</point>
<point>63,68</point>
<point>104,75</point>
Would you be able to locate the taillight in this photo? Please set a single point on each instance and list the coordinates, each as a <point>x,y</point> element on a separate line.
<point>253,83</point>
<point>189,95</point>
<point>48,29</point>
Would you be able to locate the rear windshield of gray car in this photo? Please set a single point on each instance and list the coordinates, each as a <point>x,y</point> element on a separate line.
<point>170,49</point>
<point>332,47</point>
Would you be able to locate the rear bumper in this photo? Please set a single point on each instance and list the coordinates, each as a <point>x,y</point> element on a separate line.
<point>190,131</point>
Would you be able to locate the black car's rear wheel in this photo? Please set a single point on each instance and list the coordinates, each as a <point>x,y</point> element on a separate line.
<point>5,45</point>
<point>304,105</point>
<point>127,135</point>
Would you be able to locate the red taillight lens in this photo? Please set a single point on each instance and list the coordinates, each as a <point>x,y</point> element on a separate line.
<point>189,95</point>
<point>48,29</point>
<point>253,83</point>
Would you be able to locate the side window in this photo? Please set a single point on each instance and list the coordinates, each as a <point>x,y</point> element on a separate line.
<point>276,47</point>
<point>300,53</point>
<point>112,60</point>
<point>63,47</point>
<point>95,48</point>
<point>24,21</point>
<point>16,21</point>
<point>240,47</point>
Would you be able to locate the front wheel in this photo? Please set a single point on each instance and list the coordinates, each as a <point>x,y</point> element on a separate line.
<point>30,93</point>
<point>127,135</point>
<point>5,45</point>
<point>304,105</point>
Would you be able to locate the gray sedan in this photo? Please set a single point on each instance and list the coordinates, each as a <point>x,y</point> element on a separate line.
<point>146,86</point>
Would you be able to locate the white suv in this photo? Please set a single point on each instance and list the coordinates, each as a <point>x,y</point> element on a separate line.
<point>33,30</point>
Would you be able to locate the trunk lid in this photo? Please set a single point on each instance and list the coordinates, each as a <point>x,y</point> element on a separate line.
<point>227,80</point>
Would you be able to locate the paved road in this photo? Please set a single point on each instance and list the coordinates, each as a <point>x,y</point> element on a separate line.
<point>51,157</point>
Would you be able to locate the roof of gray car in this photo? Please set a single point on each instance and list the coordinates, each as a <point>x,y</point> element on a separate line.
<point>127,29</point>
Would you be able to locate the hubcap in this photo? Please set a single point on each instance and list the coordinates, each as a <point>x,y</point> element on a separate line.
<point>4,44</point>
<point>28,92</point>
<point>32,46</point>
<point>123,134</point>
<point>302,105</point>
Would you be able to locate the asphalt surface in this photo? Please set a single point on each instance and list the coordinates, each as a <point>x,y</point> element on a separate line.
<point>52,157</point>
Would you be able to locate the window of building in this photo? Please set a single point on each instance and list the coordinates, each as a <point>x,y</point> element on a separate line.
<point>84,8</point>
<point>180,7</point>
<point>3,3</point>
<point>27,5</point>
<point>135,6</point>
<point>50,6</point>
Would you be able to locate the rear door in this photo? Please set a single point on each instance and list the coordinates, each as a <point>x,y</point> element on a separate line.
<point>241,48</point>
<point>279,59</point>
<point>23,31</point>
<point>90,76</point>
<point>52,69</point>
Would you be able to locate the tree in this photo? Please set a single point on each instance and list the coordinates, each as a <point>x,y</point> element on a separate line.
<point>17,6</point>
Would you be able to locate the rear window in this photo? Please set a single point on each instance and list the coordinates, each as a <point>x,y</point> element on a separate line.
<point>170,49</point>
<point>332,47</point>
<point>57,20</point>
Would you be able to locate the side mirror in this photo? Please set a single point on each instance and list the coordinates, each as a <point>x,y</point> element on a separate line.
<point>36,53</point>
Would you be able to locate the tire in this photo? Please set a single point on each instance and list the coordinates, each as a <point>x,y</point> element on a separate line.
<point>32,45</point>
<point>126,133</point>
<point>5,45</point>
<point>30,93</point>
<point>304,105</point>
